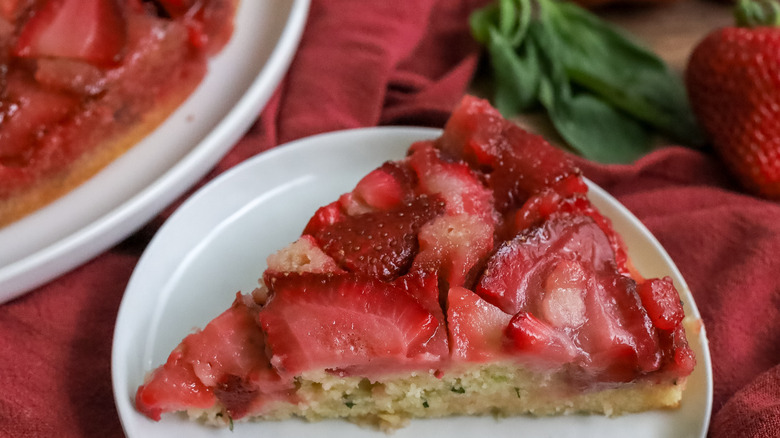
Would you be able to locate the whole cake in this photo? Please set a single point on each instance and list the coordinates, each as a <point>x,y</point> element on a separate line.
<point>83,81</point>
<point>472,276</point>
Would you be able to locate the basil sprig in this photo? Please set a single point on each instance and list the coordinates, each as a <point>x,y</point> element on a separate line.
<point>605,94</point>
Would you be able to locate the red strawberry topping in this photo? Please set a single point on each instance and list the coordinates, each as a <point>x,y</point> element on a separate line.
<point>384,188</point>
<point>679,358</point>
<point>476,327</point>
<point>455,182</point>
<point>323,218</point>
<point>26,113</point>
<point>455,247</point>
<point>379,244</point>
<point>202,19</point>
<point>517,163</point>
<point>225,361</point>
<point>94,31</point>
<point>381,281</point>
<point>569,196</point>
<point>530,336</point>
<point>563,274</point>
<point>343,322</point>
<point>521,265</point>
<point>662,302</point>
<point>456,243</point>
<point>172,387</point>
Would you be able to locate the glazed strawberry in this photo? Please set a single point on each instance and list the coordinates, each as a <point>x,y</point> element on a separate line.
<point>380,244</point>
<point>520,267</point>
<point>172,387</point>
<point>568,196</point>
<point>9,9</point>
<point>458,185</point>
<point>564,275</point>
<point>455,247</point>
<point>24,110</point>
<point>383,188</point>
<point>457,242</point>
<point>94,31</point>
<point>679,357</point>
<point>662,302</point>
<point>344,322</point>
<point>476,327</point>
<point>225,361</point>
<point>733,81</point>
<point>201,18</point>
<point>530,336</point>
<point>517,166</point>
<point>324,217</point>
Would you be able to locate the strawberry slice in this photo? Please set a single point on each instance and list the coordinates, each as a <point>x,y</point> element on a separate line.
<point>455,182</point>
<point>225,361</point>
<point>569,196</point>
<point>564,274</point>
<point>384,188</point>
<point>530,336</point>
<point>94,31</point>
<point>379,244</point>
<point>9,9</point>
<point>517,163</point>
<point>455,247</point>
<point>323,218</point>
<point>27,113</point>
<point>342,322</point>
<point>679,359</point>
<point>522,265</point>
<point>457,242</point>
<point>205,21</point>
<point>618,334</point>
<point>172,387</point>
<point>662,302</point>
<point>476,327</point>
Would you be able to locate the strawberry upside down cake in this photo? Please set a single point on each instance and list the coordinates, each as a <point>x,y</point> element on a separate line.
<point>81,82</point>
<point>471,277</point>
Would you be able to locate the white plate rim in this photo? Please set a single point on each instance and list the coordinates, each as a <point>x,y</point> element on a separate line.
<point>65,252</point>
<point>126,328</point>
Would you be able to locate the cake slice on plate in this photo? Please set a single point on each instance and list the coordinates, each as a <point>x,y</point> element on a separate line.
<point>471,277</point>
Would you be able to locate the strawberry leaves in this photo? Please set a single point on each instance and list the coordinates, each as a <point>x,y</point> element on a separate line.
<point>604,93</point>
<point>753,13</point>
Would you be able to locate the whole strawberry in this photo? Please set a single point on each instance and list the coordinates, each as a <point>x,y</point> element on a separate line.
<point>733,82</point>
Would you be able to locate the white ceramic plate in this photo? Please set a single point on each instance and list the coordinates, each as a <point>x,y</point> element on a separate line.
<point>216,244</point>
<point>160,168</point>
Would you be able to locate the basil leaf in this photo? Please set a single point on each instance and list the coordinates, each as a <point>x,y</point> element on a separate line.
<point>591,126</point>
<point>596,130</point>
<point>481,20</point>
<point>601,59</point>
<point>602,91</point>
<point>517,77</point>
<point>514,20</point>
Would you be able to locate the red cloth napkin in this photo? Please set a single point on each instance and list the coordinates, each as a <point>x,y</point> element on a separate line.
<point>363,63</point>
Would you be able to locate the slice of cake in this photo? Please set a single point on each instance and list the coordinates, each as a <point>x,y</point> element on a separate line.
<point>471,277</point>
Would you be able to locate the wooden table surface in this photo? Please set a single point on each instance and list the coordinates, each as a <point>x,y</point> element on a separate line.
<point>673,29</point>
